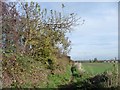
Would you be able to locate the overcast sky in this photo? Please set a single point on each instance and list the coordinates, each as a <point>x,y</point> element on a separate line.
<point>98,37</point>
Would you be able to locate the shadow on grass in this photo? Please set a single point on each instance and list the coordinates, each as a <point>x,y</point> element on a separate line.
<point>95,83</point>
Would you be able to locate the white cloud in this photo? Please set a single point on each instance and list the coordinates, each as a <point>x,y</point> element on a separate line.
<point>98,37</point>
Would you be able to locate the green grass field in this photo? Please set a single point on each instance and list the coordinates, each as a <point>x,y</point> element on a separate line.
<point>97,68</point>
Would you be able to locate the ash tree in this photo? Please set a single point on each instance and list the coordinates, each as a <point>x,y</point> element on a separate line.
<point>39,33</point>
